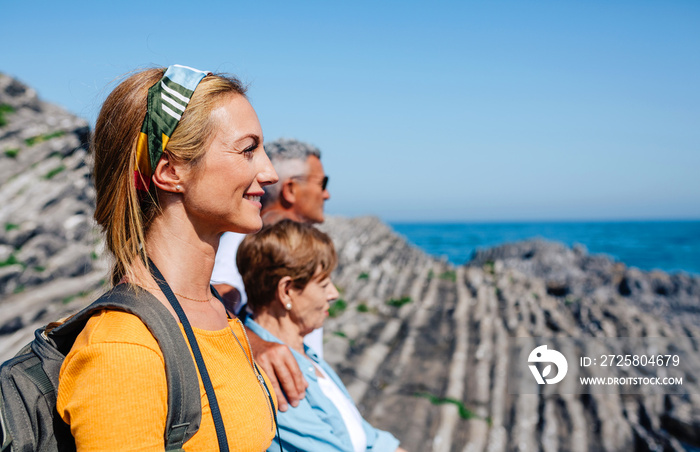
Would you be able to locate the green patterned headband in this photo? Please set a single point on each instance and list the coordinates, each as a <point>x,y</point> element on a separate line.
<point>167,101</point>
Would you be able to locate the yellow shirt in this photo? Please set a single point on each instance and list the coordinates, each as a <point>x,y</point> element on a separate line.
<point>112,389</point>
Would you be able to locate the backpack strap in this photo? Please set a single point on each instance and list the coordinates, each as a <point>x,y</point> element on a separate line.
<point>184,403</point>
<point>201,365</point>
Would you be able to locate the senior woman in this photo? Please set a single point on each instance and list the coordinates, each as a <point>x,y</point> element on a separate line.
<point>178,161</point>
<point>286,270</point>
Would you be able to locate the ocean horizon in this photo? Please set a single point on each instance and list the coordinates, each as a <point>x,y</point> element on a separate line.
<point>668,245</point>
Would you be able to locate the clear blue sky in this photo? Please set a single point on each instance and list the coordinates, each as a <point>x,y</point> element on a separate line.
<point>471,111</point>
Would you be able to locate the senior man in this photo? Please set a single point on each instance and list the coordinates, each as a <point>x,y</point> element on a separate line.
<point>299,195</point>
<point>301,191</point>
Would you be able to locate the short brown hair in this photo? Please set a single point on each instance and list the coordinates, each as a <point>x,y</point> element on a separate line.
<point>123,213</point>
<point>286,248</point>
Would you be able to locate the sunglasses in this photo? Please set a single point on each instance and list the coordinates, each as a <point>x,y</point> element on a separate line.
<point>324,182</point>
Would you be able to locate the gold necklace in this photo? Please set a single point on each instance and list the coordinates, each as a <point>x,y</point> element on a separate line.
<point>195,299</point>
<point>184,296</point>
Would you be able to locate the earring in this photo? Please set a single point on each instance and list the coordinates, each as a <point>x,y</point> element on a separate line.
<point>288,306</point>
<point>178,187</point>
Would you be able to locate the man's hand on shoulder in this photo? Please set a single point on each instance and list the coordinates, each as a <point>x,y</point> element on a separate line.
<point>281,368</point>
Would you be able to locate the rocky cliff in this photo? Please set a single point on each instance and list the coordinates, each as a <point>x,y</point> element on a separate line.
<point>421,344</point>
<point>50,255</point>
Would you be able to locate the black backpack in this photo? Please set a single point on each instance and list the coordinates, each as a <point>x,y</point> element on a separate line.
<point>29,381</point>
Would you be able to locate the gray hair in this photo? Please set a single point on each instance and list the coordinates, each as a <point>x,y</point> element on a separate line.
<point>289,158</point>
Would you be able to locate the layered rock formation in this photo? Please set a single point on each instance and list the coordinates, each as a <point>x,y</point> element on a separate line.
<point>421,344</point>
<point>49,251</point>
<point>573,273</point>
<point>424,346</point>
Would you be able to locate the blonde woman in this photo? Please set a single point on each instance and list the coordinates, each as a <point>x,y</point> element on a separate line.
<point>286,269</point>
<point>178,161</point>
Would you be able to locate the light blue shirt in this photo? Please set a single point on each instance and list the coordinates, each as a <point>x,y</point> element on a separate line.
<point>316,424</point>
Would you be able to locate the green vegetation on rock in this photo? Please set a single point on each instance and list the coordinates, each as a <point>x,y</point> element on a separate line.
<point>5,109</point>
<point>363,275</point>
<point>398,302</point>
<point>569,300</point>
<point>70,298</point>
<point>11,260</point>
<point>344,336</point>
<point>337,307</point>
<point>54,171</point>
<point>449,275</point>
<point>11,226</point>
<point>12,152</point>
<point>45,137</point>
<point>464,412</point>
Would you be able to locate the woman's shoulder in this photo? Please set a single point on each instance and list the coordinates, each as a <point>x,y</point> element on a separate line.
<point>115,327</point>
<point>115,367</point>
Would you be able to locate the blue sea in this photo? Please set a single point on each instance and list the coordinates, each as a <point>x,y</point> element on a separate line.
<point>671,246</point>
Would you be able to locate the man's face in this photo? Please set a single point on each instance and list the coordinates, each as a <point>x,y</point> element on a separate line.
<point>310,195</point>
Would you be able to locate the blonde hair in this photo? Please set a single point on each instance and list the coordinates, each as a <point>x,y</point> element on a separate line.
<point>121,210</point>
<point>287,248</point>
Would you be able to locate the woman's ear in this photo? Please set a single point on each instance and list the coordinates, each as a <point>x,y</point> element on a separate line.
<point>167,174</point>
<point>285,288</point>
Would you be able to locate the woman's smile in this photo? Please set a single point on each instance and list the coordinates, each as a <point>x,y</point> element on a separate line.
<point>254,198</point>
